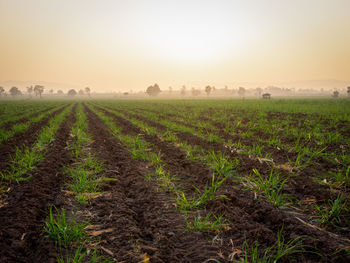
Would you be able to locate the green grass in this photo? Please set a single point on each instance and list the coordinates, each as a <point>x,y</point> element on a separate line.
<point>335,213</point>
<point>25,159</point>
<point>273,254</point>
<point>81,255</point>
<point>221,165</point>
<point>201,198</point>
<point>271,186</point>
<point>208,223</point>
<point>63,231</point>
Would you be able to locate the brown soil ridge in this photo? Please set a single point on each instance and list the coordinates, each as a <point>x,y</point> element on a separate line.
<point>25,138</point>
<point>145,219</point>
<point>22,218</point>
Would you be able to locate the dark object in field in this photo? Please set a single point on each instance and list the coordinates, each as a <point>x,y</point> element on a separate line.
<point>266,96</point>
<point>335,94</point>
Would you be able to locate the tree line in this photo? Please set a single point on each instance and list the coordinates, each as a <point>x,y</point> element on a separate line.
<point>38,90</point>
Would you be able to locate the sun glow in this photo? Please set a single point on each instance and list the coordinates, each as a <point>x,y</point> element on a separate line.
<point>188,43</point>
<point>187,36</point>
<point>116,44</point>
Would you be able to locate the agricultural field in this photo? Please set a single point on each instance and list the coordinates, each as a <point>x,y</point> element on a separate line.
<point>175,180</point>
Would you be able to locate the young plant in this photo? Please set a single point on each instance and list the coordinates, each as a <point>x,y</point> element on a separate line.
<point>59,229</point>
<point>208,223</point>
<point>343,178</point>
<point>220,164</point>
<point>334,214</point>
<point>271,186</point>
<point>209,194</point>
<point>274,253</point>
<point>82,256</point>
<point>155,159</point>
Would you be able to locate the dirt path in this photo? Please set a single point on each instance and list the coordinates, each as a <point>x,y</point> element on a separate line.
<point>26,138</point>
<point>22,218</point>
<point>145,219</point>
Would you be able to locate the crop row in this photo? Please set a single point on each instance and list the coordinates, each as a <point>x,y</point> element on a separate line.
<point>25,158</point>
<point>20,127</point>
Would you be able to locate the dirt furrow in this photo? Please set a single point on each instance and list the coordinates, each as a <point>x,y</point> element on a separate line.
<point>27,204</point>
<point>26,138</point>
<point>150,223</point>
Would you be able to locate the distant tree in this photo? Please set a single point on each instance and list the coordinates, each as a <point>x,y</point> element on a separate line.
<point>208,90</point>
<point>60,92</point>
<point>81,92</point>
<point>258,91</point>
<point>14,91</point>
<point>30,91</point>
<point>51,91</point>
<point>335,94</point>
<point>241,91</point>
<point>183,90</point>
<point>226,89</point>
<point>153,90</point>
<point>195,92</point>
<point>347,91</point>
<point>2,91</point>
<point>38,89</point>
<point>170,90</point>
<point>72,92</point>
<point>88,91</point>
<point>213,88</point>
<point>125,93</point>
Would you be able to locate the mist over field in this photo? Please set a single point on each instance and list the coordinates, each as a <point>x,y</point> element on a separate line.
<point>117,46</point>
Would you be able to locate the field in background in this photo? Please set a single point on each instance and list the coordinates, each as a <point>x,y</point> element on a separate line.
<point>175,180</point>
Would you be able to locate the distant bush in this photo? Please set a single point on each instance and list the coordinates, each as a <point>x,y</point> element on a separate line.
<point>153,90</point>
<point>72,92</point>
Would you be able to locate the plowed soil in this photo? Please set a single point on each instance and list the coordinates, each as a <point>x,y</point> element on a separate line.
<point>27,204</point>
<point>251,220</point>
<point>145,220</point>
<point>26,138</point>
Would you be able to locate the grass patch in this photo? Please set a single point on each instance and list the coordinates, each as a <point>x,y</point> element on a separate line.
<point>63,231</point>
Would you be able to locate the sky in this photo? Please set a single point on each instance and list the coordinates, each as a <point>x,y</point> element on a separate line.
<point>118,45</point>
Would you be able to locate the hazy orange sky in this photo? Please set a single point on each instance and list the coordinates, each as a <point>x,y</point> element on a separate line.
<point>121,45</point>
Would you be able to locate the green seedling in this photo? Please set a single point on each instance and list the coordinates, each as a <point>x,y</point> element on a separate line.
<point>23,161</point>
<point>63,231</point>
<point>220,164</point>
<point>155,159</point>
<point>271,187</point>
<point>274,253</point>
<point>334,214</point>
<point>209,194</point>
<point>208,223</point>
